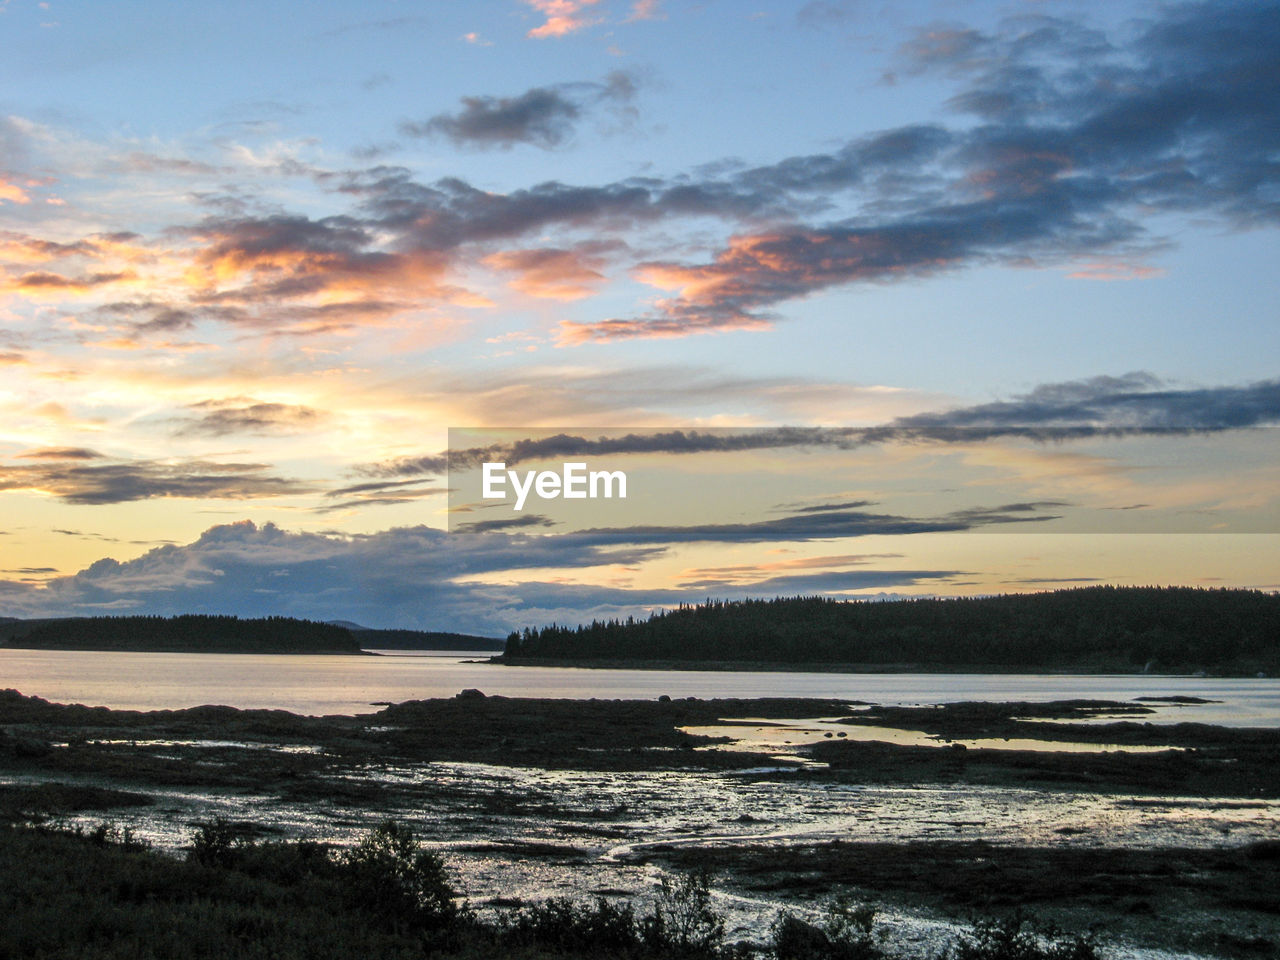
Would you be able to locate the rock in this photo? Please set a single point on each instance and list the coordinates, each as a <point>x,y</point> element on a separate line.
<point>664,698</point>
<point>471,693</point>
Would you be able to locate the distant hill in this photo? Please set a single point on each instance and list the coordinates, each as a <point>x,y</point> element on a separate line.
<point>183,634</point>
<point>372,639</point>
<point>1096,629</point>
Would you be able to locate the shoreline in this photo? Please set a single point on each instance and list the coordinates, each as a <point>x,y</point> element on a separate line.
<point>923,669</point>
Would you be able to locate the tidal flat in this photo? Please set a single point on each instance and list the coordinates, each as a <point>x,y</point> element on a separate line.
<point>1160,837</point>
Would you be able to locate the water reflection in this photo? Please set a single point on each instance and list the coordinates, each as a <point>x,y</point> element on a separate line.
<point>317,685</point>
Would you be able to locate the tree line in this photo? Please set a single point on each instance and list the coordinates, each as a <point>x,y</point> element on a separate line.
<point>1097,628</point>
<point>193,633</point>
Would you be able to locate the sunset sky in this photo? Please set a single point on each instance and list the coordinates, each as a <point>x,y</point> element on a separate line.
<point>1007,271</point>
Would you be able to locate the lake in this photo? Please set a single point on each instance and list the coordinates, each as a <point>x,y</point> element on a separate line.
<point>319,685</point>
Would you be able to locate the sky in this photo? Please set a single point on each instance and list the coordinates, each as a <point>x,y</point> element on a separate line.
<point>879,300</point>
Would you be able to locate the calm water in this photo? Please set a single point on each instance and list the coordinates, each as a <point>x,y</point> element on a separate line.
<point>347,685</point>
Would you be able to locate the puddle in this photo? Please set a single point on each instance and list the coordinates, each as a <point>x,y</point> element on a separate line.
<point>778,735</point>
<point>209,745</point>
<point>526,833</point>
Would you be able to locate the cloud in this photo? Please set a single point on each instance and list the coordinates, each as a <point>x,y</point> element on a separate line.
<point>563,17</point>
<point>44,283</point>
<point>541,116</point>
<point>646,10</point>
<point>414,577</point>
<point>220,418</point>
<point>1075,143</point>
<point>825,14</point>
<point>754,575</point>
<point>1061,148</point>
<point>381,494</point>
<point>406,577</point>
<point>833,524</point>
<point>12,192</point>
<point>827,582</point>
<point>511,523</point>
<point>315,274</point>
<point>1131,404</point>
<point>551,273</point>
<point>126,481</point>
<point>564,445</point>
<point>137,161</point>
<point>60,453</point>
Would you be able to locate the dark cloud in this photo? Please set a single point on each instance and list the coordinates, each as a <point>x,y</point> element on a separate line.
<point>828,507</point>
<point>61,453</point>
<point>145,480</point>
<point>1134,403</point>
<point>562,445</point>
<point>86,536</point>
<point>513,523</point>
<point>382,494</point>
<point>147,317</point>
<point>397,578</point>
<point>379,487</point>
<point>220,418</point>
<point>542,116</point>
<point>42,280</point>
<point>1009,513</point>
<point>834,524</point>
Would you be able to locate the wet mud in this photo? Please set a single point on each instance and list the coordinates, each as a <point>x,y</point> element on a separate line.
<point>1171,847</point>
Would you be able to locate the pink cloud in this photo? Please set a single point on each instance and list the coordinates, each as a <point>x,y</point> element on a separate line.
<point>563,16</point>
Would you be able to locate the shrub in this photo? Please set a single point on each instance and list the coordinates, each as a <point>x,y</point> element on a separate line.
<point>1019,937</point>
<point>846,932</point>
<point>683,919</point>
<point>565,925</point>
<point>216,843</point>
<point>390,875</point>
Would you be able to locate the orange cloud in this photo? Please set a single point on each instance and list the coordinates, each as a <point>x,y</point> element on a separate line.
<point>25,249</point>
<point>293,258</point>
<point>44,283</point>
<point>756,271</point>
<point>553,274</point>
<point>11,192</point>
<point>1115,270</point>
